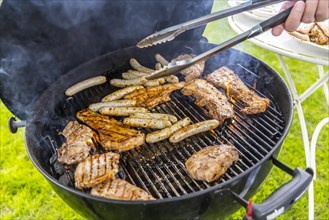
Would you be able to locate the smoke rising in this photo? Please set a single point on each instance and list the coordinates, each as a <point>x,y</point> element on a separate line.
<point>43,39</point>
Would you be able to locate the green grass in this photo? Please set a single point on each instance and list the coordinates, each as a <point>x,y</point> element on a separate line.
<point>25,194</point>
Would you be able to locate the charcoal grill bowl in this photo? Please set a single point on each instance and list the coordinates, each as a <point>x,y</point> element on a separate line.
<point>214,202</point>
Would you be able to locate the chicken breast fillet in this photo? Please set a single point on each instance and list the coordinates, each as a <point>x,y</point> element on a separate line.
<point>113,135</point>
<point>152,96</point>
<point>194,71</point>
<point>121,190</point>
<point>211,162</point>
<point>78,143</point>
<point>96,169</point>
<point>212,101</point>
<point>227,79</point>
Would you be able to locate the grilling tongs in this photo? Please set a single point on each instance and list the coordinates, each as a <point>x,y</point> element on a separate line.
<point>171,32</point>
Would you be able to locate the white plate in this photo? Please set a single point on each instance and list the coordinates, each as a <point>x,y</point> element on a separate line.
<point>259,14</point>
<point>311,45</point>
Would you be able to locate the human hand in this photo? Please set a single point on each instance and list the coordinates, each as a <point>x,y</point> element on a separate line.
<point>306,12</point>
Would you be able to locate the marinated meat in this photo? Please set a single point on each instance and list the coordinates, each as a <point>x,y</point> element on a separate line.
<point>227,79</point>
<point>78,143</point>
<point>318,36</point>
<point>121,190</point>
<point>152,96</point>
<point>212,101</point>
<point>211,162</point>
<point>96,169</point>
<point>113,135</point>
<point>193,71</point>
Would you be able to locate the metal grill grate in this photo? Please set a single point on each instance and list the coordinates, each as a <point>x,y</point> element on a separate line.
<point>159,168</point>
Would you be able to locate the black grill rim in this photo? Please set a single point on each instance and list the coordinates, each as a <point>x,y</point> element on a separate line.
<point>99,69</point>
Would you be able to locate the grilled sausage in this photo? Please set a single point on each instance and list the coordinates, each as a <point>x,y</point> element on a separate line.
<point>117,103</point>
<point>161,60</point>
<point>154,82</point>
<point>133,75</point>
<point>120,93</point>
<point>128,82</point>
<point>192,130</point>
<point>121,111</point>
<point>85,85</point>
<point>163,134</point>
<point>169,117</point>
<point>147,123</point>
<point>137,66</point>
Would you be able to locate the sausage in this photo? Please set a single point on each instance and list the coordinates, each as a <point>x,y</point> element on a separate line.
<point>165,133</point>
<point>172,79</point>
<point>85,84</point>
<point>158,66</point>
<point>161,60</point>
<point>121,111</point>
<point>192,130</point>
<point>117,103</point>
<point>147,123</point>
<point>133,75</point>
<point>128,82</point>
<point>169,117</point>
<point>154,82</point>
<point>121,93</point>
<point>137,66</point>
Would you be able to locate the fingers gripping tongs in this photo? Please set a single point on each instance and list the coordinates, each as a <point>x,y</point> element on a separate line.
<point>170,33</point>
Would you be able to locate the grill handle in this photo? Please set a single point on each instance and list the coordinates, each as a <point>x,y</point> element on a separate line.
<point>282,198</point>
<point>13,125</point>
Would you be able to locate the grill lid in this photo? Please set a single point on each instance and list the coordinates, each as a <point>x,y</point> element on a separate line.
<point>52,37</point>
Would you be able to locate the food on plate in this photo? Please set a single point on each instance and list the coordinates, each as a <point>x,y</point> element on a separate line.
<point>96,169</point>
<point>121,190</point>
<point>121,83</point>
<point>121,111</point>
<point>79,141</point>
<point>137,66</point>
<point>154,82</point>
<point>193,129</point>
<point>211,162</point>
<point>212,101</point>
<point>133,74</point>
<point>161,59</point>
<point>117,103</point>
<point>161,116</point>
<point>120,93</point>
<point>193,71</point>
<point>85,84</point>
<point>152,96</point>
<point>227,79</point>
<point>317,33</point>
<point>163,134</point>
<point>147,123</point>
<point>113,135</point>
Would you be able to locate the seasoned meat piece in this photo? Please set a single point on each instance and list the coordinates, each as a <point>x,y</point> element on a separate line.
<point>96,169</point>
<point>120,190</point>
<point>194,71</point>
<point>152,96</point>
<point>227,79</point>
<point>211,162</point>
<point>113,135</point>
<point>213,102</point>
<point>78,143</point>
<point>318,36</point>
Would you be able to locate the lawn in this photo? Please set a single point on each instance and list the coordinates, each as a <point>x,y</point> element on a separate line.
<point>25,194</point>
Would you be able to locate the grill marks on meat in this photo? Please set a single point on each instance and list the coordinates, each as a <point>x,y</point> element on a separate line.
<point>213,102</point>
<point>193,71</point>
<point>113,135</point>
<point>78,143</point>
<point>211,162</point>
<point>227,79</point>
<point>96,169</point>
<point>121,190</point>
<point>152,96</point>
